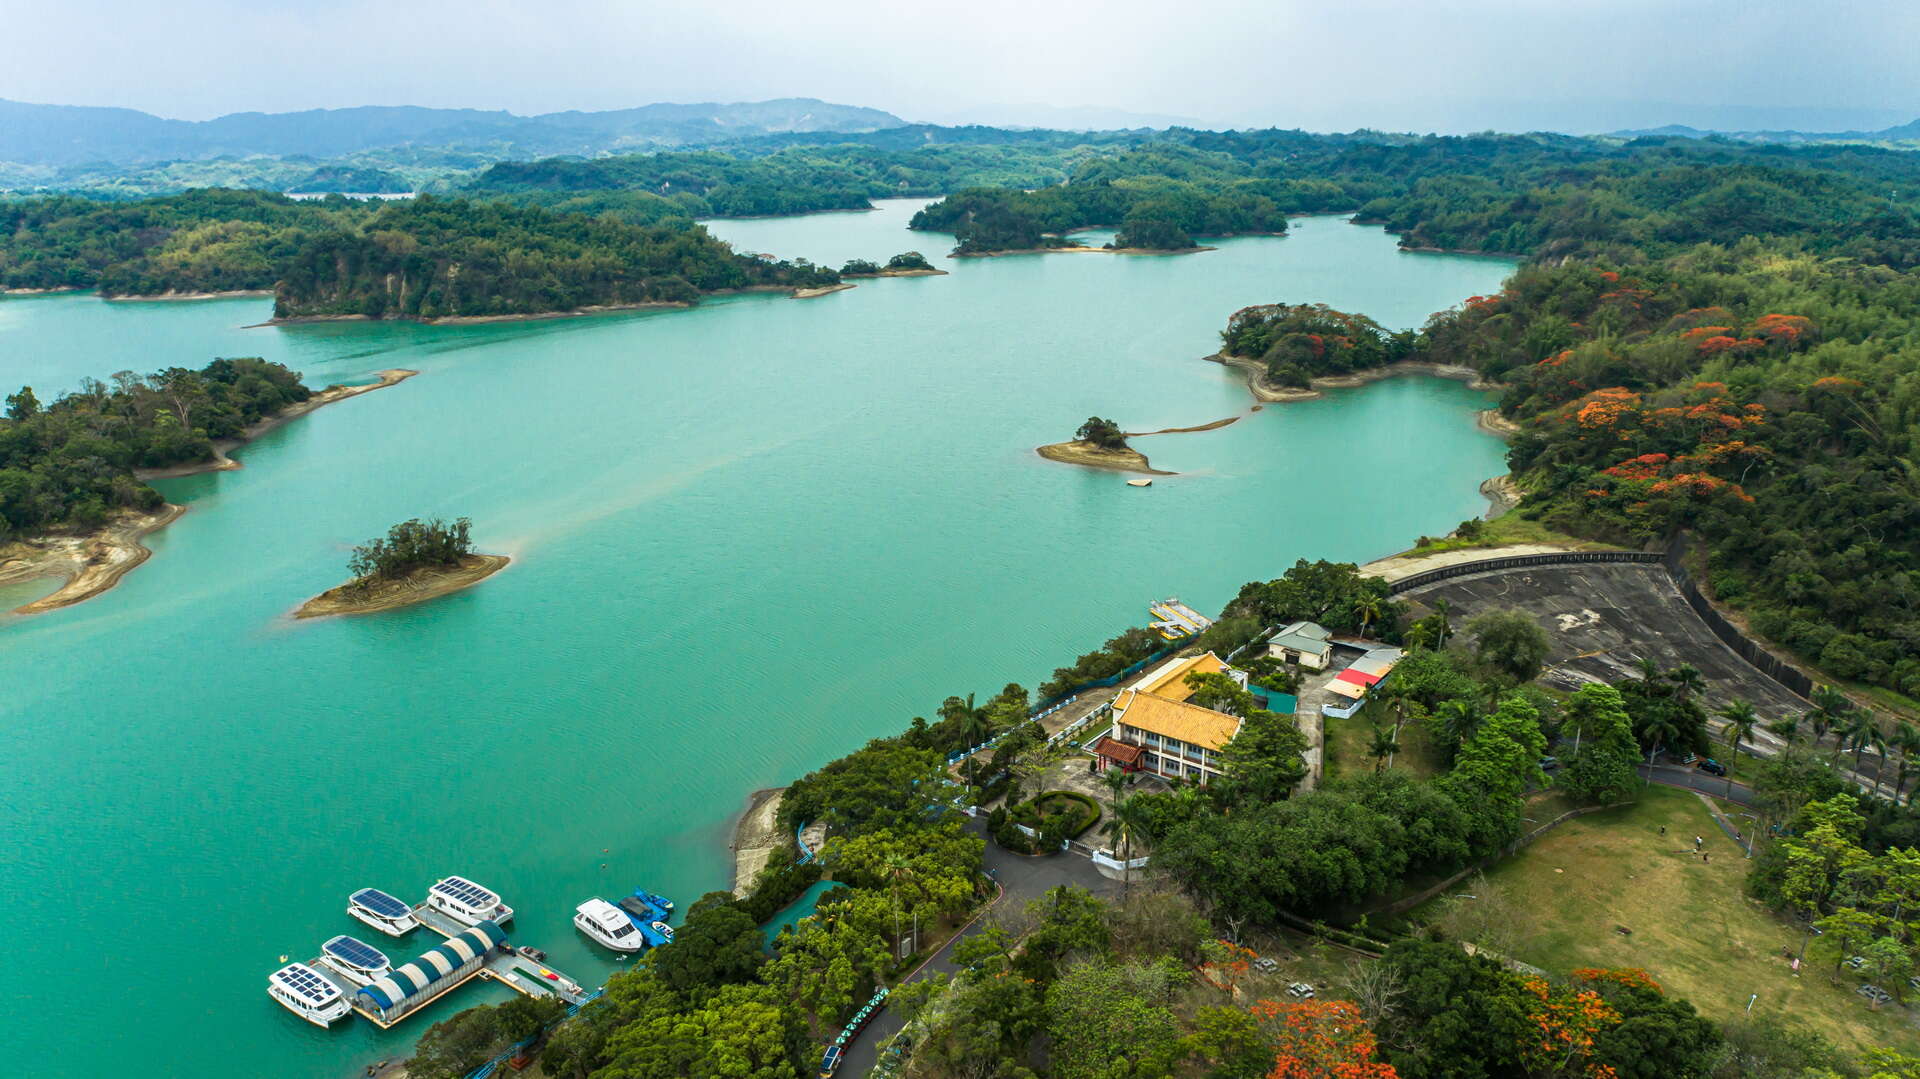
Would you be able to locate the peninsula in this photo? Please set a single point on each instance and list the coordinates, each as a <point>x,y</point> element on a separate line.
<point>416,561</point>
<point>91,527</point>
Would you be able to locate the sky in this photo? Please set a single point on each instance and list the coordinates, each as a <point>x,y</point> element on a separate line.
<point>1438,65</point>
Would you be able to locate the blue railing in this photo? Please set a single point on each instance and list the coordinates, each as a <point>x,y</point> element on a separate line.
<point>516,1048</point>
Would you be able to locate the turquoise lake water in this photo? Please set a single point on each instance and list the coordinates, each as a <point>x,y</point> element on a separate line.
<point>747,538</point>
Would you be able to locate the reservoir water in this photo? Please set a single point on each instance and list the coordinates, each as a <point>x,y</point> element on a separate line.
<point>747,538</point>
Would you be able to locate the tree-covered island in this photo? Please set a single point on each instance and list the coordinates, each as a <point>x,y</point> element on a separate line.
<point>417,560</point>
<point>1099,443</point>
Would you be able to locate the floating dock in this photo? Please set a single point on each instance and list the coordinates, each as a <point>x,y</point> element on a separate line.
<point>1176,621</point>
<point>525,976</point>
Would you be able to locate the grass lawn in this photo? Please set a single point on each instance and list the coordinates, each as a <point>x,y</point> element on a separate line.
<point>1345,743</point>
<point>1693,928</point>
<point>1508,528</point>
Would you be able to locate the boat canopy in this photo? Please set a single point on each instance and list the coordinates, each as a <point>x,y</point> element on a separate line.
<point>301,980</point>
<point>381,903</point>
<point>435,965</point>
<point>466,893</point>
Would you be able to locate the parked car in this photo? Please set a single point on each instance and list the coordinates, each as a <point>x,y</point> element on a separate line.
<point>1548,764</point>
<point>1856,962</point>
<point>1874,993</point>
<point>1265,965</point>
<point>1711,767</point>
<point>1301,990</point>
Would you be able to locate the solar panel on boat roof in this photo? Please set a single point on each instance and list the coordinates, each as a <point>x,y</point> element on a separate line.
<point>308,984</point>
<point>359,953</point>
<point>464,891</point>
<point>380,902</point>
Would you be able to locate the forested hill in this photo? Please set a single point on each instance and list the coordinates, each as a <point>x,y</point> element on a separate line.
<point>439,258</point>
<point>1542,195</point>
<point>1759,395</point>
<point>421,258</point>
<point>793,179</point>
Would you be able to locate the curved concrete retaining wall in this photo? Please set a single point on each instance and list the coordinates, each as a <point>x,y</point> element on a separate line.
<point>1518,561</point>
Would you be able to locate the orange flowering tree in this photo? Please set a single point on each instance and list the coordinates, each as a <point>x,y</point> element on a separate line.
<point>1567,1024</point>
<point>1317,1039</point>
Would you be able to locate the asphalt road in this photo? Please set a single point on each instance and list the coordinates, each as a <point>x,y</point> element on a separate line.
<point>1021,879</point>
<point>1679,775</point>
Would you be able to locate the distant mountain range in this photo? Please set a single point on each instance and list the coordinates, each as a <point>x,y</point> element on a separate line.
<point>65,135</point>
<point>1907,132</point>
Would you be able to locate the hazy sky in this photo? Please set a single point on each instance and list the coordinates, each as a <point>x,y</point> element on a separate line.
<point>1445,65</point>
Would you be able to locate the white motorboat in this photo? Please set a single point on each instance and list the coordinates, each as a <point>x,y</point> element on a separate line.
<point>388,914</point>
<point>467,902</point>
<point>354,960</point>
<point>301,990</point>
<point>608,926</point>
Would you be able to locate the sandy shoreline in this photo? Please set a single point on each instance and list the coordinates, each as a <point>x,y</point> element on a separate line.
<point>1091,456</point>
<point>174,297</point>
<point>223,463</point>
<point>823,290</point>
<point>1081,249</point>
<point>929,272</point>
<point>417,587</point>
<point>91,564</point>
<point>756,835</point>
<point>1257,384</point>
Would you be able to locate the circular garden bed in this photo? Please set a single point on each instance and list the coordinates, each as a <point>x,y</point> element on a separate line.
<point>1055,815</point>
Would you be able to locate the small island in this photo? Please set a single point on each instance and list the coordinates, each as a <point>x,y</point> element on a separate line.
<point>905,264</point>
<point>1099,443</point>
<point>416,561</point>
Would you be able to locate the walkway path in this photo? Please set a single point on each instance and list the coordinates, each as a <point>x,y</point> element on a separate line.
<point>1022,879</point>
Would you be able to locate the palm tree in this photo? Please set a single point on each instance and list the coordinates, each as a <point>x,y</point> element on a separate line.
<point>1116,781</point>
<point>1368,607</point>
<point>1906,739</point>
<point>1787,727</point>
<point>1649,671</point>
<point>973,722</point>
<point>1457,719</point>
<point>899,868</point>
<point>1741,720</point>
<point>1830,706</point>
<point>1382,748</point>
<point>1686,680</point>
<point>1859,729</point>
<point>1126,825</point>
<point>1441,610</point>
<point>1662,731</point>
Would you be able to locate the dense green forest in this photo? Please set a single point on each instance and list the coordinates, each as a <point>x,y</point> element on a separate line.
<point>1760,395</point>
<point>1301,342</point>
<point>70,464</point>
<point>1544,195</point>
<point>432,257</point>
<point>789,180</point>
<point>203,241</point>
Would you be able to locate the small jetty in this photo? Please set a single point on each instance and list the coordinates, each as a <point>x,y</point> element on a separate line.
<point>1140,483</point>
<point>1176,621</point>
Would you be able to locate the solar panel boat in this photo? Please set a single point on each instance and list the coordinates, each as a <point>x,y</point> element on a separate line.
<point>354,960</point>
<point>384,912</point>
<point>466,902</point>
<point>301,990</point>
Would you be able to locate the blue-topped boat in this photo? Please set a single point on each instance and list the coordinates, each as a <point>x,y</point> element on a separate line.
<point>357,961</point>
<point>645,917</point>
<point>658,902</point>
<point>388,914</point>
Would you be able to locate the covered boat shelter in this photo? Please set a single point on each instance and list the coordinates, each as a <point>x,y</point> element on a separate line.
<point>415,984</point>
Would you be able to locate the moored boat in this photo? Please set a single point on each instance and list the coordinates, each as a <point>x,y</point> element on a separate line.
<point>301,990</point>
<point>388,914</point>
<point>355,960</point>
<point>467,902</point>
<point>658,902</point>
<point>608,926</point>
